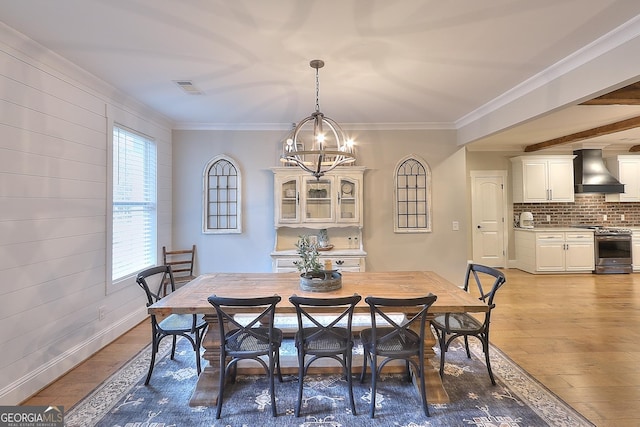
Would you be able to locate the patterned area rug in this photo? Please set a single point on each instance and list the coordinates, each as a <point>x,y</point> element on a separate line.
<point>517,399</point>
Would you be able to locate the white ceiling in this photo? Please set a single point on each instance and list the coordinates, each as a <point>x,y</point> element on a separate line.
<point>400,63</point>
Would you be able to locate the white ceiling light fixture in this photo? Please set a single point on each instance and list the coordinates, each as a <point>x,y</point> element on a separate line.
<point>317,144</point>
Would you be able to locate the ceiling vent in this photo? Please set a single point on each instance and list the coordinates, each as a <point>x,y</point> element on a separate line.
<point>590,175</point>
<point>188,87</point>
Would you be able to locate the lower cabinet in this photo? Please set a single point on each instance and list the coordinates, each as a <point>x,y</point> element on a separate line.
<point>555,251</point>
<point>340,263</point>
<point>635,250</point>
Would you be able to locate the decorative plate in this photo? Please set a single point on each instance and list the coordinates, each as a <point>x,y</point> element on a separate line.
<point>347,189</point>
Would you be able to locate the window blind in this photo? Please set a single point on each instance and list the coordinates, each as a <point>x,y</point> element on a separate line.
<point>134,203</point>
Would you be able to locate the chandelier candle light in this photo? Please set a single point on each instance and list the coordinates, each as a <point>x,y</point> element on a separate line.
<point>311,147</point>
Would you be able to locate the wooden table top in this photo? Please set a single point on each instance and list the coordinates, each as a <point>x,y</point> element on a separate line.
<point>192,297</point>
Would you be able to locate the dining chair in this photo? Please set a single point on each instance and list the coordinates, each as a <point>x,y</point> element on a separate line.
<point>394,340</point>
<point>449,326</point>
<point>252,339</point>
<point>321,337</point>
<point>189,326</point>
<point>181,262</point>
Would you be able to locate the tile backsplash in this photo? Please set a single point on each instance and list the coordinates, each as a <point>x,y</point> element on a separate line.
<point>587,209</point>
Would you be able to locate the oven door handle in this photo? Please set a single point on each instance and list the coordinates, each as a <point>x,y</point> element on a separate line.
<point>622,238</point>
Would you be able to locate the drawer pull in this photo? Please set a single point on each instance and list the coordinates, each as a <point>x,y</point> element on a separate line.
<point>339,262</point>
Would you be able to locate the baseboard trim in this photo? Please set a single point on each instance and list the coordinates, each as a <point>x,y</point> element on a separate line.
<point>28,385</point>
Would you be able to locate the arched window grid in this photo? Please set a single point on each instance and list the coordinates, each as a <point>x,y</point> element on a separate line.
<point>412,196</point>
<point>222,209</point>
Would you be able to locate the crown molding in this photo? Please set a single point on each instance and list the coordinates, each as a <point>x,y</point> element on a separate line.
<point>614,39</point>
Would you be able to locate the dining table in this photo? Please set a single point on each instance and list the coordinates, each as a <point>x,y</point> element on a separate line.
<point>192,298</point>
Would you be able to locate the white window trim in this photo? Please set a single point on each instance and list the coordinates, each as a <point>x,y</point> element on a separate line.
<point>205,197</point>
<point>429,208</point>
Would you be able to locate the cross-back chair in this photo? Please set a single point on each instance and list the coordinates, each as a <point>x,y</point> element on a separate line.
<point>396,341</point>
<point>320,337</point>
<point>157,282</point>
<point>449,326</point>
<point>251,339</point>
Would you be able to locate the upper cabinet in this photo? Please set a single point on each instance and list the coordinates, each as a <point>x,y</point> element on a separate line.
<point>334,200</point>
<point>542,179</point>
<point>627,169</point>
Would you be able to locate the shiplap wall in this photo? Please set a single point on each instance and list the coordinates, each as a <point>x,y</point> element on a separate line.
<point>54,126</point>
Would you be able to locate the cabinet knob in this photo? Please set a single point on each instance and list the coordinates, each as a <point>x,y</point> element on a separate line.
<point>479,226</point>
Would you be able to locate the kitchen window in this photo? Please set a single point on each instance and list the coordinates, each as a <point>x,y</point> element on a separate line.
<point>412,196</point>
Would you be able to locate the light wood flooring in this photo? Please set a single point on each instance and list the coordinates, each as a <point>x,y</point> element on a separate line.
<point>578,334</point>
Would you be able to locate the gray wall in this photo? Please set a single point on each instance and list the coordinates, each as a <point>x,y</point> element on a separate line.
<point>443,250</point>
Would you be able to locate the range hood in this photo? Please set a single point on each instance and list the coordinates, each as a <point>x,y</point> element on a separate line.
<point>590,175</point>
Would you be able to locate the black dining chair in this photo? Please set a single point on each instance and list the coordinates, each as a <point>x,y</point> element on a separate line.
<point>321,337</point>
<point>252,339</point>
<point>396,341</point>
<point>157,282</point>
<point>449,326</point>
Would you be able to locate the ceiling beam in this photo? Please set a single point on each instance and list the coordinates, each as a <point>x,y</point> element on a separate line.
<point>620,126</point>
<point>628,95</point>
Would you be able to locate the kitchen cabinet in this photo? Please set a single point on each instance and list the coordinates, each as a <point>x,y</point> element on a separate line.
<point>542,179</point>
<point>627,169</point>
<point>555,251</point>
<point>635,250</point>
<point>304,205</point>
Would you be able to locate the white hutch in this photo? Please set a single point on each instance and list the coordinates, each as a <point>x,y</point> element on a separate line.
<point>305,205</point>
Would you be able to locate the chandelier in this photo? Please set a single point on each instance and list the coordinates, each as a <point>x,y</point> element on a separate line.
<point>317,144</point>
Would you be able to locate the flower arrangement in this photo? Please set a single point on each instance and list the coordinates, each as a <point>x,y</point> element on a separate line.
<point>309,256</point>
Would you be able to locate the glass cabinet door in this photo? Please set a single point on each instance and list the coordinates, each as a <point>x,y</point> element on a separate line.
<point>348,200</point>
<point>318,196</point>
<point>289,200</point>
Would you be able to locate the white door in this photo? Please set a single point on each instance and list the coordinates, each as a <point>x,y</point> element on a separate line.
<point>488,217</point>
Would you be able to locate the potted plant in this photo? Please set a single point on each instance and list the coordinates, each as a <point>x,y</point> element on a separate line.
<point>313,277</point>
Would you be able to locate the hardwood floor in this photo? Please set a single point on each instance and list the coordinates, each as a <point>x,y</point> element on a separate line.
<point>77,383</point>
<point>578,334</point>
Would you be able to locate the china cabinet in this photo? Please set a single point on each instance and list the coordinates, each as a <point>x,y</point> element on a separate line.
<point>543,179</point>
<point>306,205</point>
<point>334,200</point>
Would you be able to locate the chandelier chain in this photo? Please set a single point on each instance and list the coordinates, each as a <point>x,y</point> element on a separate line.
<point>317,91</point>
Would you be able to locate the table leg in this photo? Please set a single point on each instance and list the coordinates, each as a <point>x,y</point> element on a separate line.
<point>207,387</point>
<point>435,389</point>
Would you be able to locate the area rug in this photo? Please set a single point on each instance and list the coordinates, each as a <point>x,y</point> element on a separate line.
<point>517,399</point>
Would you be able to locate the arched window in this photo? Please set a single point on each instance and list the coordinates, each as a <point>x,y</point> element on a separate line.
<point>222,210</point>
<point>412,196</point>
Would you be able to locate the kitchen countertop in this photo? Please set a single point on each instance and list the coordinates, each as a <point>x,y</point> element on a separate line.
<point>552,229</point>
<point>633,228</point>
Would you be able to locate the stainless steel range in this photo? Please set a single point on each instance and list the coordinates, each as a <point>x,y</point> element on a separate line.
<point>612,250</point>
